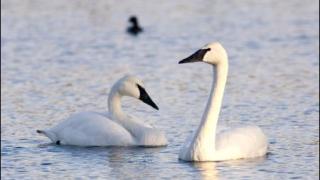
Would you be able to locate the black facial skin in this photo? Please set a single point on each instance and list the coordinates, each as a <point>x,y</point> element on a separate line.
<point>144,97</point>
<point>195,57</point>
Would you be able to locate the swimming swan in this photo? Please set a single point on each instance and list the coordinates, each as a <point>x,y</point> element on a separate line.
<point>206,144</point>
<point>114,128</point>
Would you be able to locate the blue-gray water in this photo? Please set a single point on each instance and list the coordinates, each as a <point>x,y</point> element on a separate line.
<point>60,57</point>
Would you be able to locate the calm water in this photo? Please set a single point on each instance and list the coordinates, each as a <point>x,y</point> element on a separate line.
<point>59,58</point>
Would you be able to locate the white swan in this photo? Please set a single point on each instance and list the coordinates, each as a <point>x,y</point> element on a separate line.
<point>114,128</point>
<point>206,144</point>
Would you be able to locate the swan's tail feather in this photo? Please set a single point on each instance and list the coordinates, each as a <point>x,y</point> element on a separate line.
<point>40,131</point>
<point>49,134</point>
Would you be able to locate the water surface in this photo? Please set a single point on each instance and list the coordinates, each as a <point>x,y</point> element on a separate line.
<point>59,58</point>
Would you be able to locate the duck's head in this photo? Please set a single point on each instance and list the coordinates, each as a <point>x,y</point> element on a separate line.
<point>212,53</point>
<point>132,86</point>
<point>133,20</point>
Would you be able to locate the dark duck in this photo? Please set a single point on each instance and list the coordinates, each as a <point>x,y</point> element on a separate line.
<point>134,29</point>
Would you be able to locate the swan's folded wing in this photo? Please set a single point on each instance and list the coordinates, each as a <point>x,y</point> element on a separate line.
<point>247,141</point>
<point>91,129</point>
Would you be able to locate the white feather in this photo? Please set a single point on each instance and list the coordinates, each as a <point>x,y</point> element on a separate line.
<point>114,128</point>
<point>207,145</point>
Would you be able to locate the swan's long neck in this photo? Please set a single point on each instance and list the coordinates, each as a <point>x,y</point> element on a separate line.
<point>114,104</point>
<point>133,125</point>
<point>203,142</point>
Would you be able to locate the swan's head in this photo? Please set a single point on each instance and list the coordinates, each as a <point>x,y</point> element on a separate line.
<point>213,53</point>
<point>132,86</point>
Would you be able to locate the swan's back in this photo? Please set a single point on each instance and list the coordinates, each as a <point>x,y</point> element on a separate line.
<point>90,129</point>
<point>242,142</point>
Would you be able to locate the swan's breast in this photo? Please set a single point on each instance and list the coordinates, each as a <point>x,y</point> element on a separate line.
<point>152,137</point>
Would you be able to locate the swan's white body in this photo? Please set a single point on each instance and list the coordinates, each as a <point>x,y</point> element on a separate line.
<point>113,128</point>
<point>206,144</point>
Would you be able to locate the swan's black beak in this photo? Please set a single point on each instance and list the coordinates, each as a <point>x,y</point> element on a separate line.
<point>195,57</point>
<point>144,97</point>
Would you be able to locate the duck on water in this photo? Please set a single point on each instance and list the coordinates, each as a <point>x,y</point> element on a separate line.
<point>135,28</point>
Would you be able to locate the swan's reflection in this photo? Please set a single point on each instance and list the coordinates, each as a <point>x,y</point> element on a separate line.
<point>130,162</point>
<point>251,162</point>
<point>207,170</point>
<point>142,163</point>
<point>210,170</point>
<point>111,162</point>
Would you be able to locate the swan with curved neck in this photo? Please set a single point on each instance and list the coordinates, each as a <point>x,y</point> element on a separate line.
<point>206,144</point>
<point>114,128</point>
